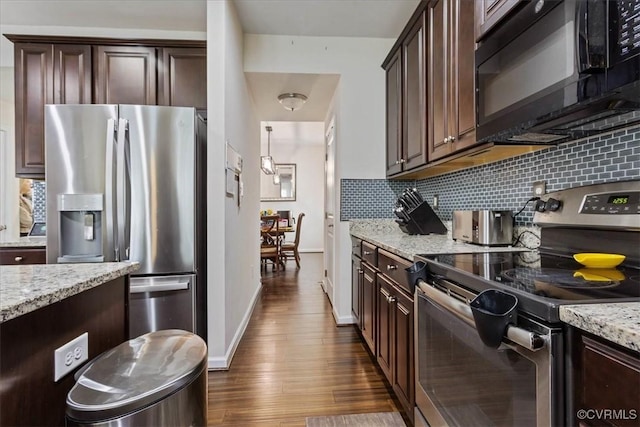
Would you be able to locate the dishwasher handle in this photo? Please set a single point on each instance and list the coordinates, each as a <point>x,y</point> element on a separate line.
<point>155,286</point>
<point>522,337</point>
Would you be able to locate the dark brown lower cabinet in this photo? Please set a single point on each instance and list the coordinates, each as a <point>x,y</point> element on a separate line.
<point>606,386</point>
<point>28,393</point>
<point>21,256</point>
<point>369,312</point>
<point>395,340</point>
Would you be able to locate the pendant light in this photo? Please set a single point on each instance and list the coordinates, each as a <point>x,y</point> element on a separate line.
<point>266,162</point>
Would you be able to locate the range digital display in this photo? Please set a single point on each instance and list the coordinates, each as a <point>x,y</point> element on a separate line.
<point>618,200</point>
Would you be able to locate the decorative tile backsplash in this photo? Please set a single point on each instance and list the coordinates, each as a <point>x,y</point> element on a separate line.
<point>505,185</point>
<point>38,200</point>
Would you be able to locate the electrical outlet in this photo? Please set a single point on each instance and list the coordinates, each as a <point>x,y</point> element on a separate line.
<point>436,200</point>
<point>539,188</point>
<point>69,356</point>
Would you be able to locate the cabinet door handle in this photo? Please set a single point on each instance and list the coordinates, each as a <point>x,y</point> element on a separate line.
<point>391,299</point>
<point>360,270</point>
<point>452,138</point>
<point>397,162</point>
<point>392,267</point>
<point>18,259</point>
<point>402,160</point>
<point>366,253</point>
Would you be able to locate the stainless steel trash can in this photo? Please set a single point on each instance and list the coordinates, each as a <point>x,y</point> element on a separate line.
<point>157,379</point>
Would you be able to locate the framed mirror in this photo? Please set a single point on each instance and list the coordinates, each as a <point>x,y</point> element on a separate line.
<point>281,186</point>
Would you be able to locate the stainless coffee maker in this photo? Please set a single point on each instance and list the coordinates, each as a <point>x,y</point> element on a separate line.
<point>80,228</point>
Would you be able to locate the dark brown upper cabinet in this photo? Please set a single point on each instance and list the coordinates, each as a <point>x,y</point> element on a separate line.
<point>451,77</point>
<point>393,72</point>
<point>406,101</point>
<point>182,77</point>
<point>414,139</point>
<point>77,70</point>
<point>71,74</point>
<point>125,75</point>
<point>489,13</point>
<point>33,89</point>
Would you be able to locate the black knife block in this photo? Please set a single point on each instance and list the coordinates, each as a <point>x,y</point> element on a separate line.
<point>423,220</point>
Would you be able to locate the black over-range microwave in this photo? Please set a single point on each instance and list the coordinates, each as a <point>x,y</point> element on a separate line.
<point>559,70</point>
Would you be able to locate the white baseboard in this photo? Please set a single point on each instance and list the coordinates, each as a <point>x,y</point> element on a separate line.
<point>305,251</point>
<point>223,363</point>
<point>343,320</point>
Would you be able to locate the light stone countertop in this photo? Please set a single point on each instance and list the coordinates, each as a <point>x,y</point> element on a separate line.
<point>616,322</point>
<point>386,234</point>
<point>25,288</point>
<point>25,242</point>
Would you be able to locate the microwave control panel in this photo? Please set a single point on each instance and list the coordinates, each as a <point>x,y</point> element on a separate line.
<point>628,26</point>
<point>611,203</point>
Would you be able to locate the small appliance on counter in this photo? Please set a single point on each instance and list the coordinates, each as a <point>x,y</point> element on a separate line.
<point>415,216</point>
<point>483,227</point>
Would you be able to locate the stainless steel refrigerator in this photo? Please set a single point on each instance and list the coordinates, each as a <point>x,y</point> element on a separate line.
<point>127,182</point>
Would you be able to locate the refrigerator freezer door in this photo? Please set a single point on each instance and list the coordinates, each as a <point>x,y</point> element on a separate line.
<point>75,163</point>
<point>162,186</point>
<point>165,302</point>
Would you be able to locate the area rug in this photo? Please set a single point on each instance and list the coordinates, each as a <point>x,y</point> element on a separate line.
<point>377,419</point>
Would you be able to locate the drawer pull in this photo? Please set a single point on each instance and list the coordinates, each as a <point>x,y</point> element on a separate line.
<point>392,267</point>
<point>18,259</point>
<point>391,299</point>
<point>366,253</point>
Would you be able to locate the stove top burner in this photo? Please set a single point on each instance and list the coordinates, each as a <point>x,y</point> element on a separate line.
<point>564,278</point>
<point>550,276</point>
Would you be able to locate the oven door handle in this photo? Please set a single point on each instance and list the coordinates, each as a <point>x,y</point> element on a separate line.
<point>520,336</point>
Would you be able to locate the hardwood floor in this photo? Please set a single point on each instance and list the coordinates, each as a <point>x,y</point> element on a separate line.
<point>294,362</point>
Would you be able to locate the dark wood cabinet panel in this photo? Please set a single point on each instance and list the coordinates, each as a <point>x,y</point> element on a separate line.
<point>406,139</point>
<point>19,256</point>
<point>356,289</point>
<point>489,13</point>
<point>182,77</point>
<point>414,140</point>
<point>606,377</point>
<point>394,113</point>
<point>368,314</point>
<point>125,75</point>
<point>71,74</point>
<point>385,327</point>
<point>403,367</point>
<point>34,89</point>
<point>451,77</point>
<point>29,395</point>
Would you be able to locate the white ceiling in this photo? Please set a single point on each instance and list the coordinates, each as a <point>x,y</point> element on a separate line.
<point>322,18</point>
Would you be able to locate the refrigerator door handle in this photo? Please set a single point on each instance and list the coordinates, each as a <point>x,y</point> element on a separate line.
<point>177,285</point>
<point>121,189</point>
<point>110,205</point>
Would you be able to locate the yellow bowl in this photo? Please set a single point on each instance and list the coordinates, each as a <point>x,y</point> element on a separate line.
<point>595,260</point>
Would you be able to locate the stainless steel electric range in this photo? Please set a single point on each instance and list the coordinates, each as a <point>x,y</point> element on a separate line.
<point>520,381</point>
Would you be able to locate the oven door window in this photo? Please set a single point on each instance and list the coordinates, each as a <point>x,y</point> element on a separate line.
<point>540,61</point>
<point>468,383</point>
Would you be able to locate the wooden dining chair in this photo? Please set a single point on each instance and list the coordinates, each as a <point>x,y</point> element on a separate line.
<point>270,240</point>
<point>290,249</point>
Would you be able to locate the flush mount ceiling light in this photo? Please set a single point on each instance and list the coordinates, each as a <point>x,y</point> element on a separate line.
<point>266,162</point>
<point>292,101</point>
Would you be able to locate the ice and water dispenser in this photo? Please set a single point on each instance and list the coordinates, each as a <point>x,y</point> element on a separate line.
<point>80,227</point>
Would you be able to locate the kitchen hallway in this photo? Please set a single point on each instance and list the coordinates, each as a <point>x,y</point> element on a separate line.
<point>293,361</point>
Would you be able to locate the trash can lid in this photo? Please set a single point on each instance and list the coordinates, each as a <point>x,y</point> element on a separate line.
<point>136,374</point>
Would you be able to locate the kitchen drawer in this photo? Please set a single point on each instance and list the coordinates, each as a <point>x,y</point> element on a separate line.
<point>356,246</point>
<point>393,267</point>
<point>18,256</point>
<point>370,253</point>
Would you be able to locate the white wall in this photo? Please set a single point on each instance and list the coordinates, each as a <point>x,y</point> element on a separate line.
<point>359,110</point>
<point>233,249</point>
<point>9,212</point>
<point>306,150</point>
